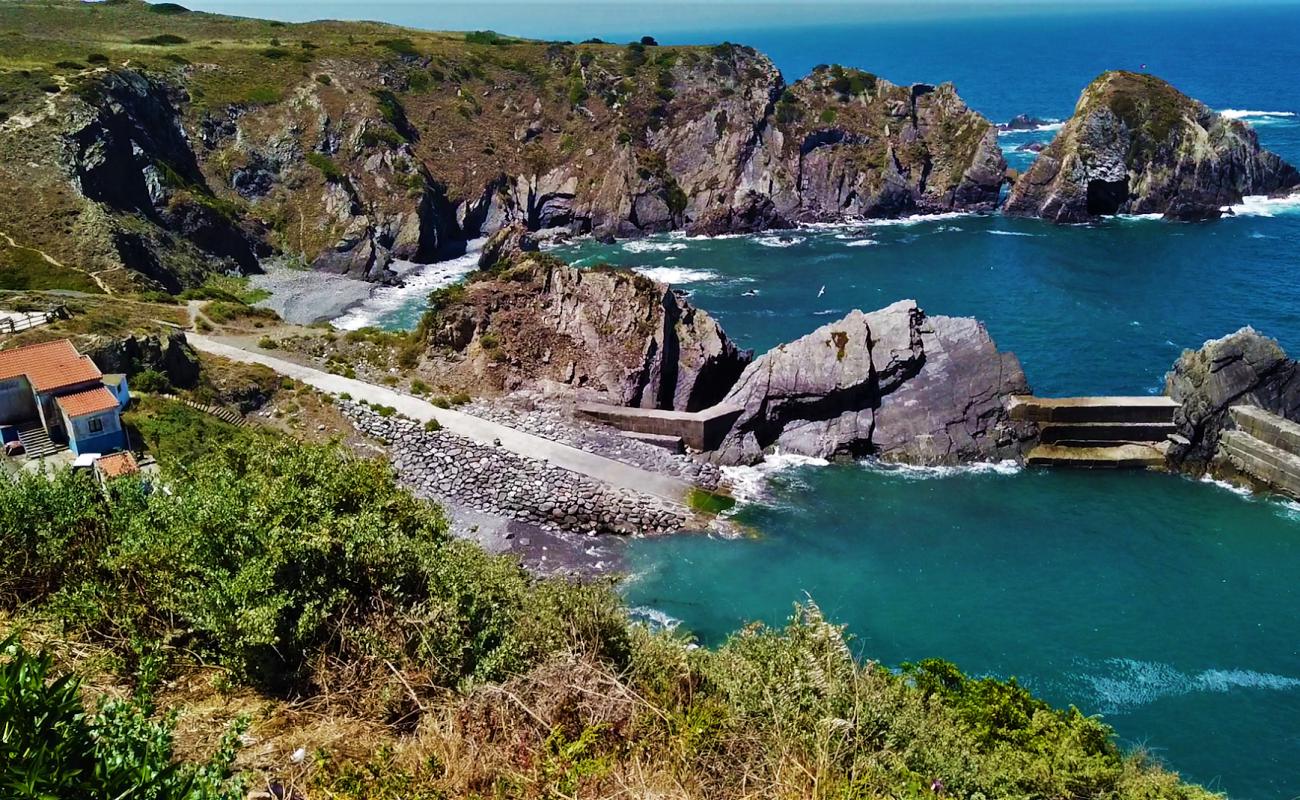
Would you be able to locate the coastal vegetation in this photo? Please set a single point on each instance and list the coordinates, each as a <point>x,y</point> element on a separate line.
<point>297,595</point>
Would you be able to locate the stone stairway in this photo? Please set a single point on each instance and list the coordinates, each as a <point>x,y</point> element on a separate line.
<point>36,442</point>
<point>220,412</point>
<point>1265,447</point>
<point>1098,432</point>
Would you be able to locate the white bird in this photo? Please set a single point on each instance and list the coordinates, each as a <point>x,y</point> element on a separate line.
<point>821,291</point>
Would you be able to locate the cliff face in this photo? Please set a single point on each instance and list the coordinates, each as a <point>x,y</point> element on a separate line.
<point>349,145</point>
<point>892,383</point>
<point>1136,145</point>
<point>530,320</point>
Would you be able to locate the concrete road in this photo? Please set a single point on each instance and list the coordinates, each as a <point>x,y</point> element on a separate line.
<point>606,470</point>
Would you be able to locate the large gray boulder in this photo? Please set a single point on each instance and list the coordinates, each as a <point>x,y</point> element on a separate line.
<point>1242,368</point>
<point>892,383</point>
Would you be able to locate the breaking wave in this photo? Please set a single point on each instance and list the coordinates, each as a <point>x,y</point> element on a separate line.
<point>914,472</point>
<point>1258,117</point>
<point>780,241</point>
<point>676,275</point>
<point>653,618</point>
<point>1259,205</point>
<point>417,282</point>
<point>1047,126</point>
<point>651,246</point>
<point>748,483</point>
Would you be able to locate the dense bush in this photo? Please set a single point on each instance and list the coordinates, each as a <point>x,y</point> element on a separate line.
<point>51,748</point>
<point>275,558</point>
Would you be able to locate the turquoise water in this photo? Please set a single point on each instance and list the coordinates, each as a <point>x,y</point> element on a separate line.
<point>1168,605</point>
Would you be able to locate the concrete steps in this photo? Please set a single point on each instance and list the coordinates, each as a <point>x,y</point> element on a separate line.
<point>1098,432</point>
<point>1265,447</point>
<point>1059,410</point>
<point>36,442</point>
<point>1101,434</point>
<point>1274,466</point>
<point>1128,455</point>
<point>220,412</point>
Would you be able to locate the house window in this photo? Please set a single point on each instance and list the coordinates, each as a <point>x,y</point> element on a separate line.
<point>96,425</point>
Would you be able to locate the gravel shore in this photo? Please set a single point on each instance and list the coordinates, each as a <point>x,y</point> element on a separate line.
<point>302,296</point>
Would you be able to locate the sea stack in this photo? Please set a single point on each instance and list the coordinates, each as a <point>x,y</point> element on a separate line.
<point>1136,145</point>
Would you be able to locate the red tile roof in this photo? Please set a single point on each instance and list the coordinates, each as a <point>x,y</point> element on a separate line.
<point>48,366</point>
<point>88,402</point>
<point>117,465</point>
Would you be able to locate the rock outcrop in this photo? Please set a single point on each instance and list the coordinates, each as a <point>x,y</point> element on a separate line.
<point>1242,368</point>
<point>362,155</point>
<point>893,383</point>
<point>1136,145</point>
<point>532,319</point>
<point>170,355</point>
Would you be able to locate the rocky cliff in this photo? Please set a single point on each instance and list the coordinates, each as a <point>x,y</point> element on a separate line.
<point>1242,368</point>
<point>349,145</point>
<point>893,383</point>
<point>528,319</point>
<point>1136,145</point>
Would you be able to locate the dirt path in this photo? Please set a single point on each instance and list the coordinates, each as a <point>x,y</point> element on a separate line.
<point>51,260</point>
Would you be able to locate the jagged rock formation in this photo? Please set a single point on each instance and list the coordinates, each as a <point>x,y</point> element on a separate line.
<point>1242,368</point>
<point>507,244</point>
<point>1136,145</point>
<point>170,355</point>
<point>893,383</point>
<point>534,320</point>
<point>363,144</point>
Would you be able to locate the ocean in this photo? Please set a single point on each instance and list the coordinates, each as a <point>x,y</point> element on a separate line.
<point>1168,605</point>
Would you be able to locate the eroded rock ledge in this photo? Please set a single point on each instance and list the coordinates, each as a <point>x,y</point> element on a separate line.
<point>529,319</point>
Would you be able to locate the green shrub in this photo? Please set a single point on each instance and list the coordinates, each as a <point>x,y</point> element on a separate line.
<point>271,556</point>
<point>485,37</point>
<point>151,381</point>
<point>267,343</point>
<point>168,8</point>
<point>163,40</point>
<point>432,426</point>
<point>327,167</point>
<point>419,387</point>
<point>96,58</point>
<point>51,748</point>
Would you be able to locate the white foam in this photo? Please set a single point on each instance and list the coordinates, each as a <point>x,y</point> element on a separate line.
<point>748,483</point>
<point>1015,233</point>
<point>651,246</point>
<point>1128,682</point>
<point>916,219</point>
<point>861,243</point>
<point>676,275</point>
<point>1258,205</point>
<point>653,618</point>
<point>1240,491</point>
<point>827,312</point>
<point>915,472</point>
<point>1256,117</point>
<point>1047,126</point>
<point>417,281</point>
<point>780,241</point>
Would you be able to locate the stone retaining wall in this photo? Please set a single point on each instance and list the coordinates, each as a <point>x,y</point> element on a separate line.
<point>439,464</point>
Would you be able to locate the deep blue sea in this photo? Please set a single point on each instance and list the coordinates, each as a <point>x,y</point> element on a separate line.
<point>1168,605</point>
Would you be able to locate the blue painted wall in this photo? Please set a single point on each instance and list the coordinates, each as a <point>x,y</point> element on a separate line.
<point>104,443</point>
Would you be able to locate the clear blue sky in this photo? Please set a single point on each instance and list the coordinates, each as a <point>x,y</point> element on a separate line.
<point>666,19</point>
